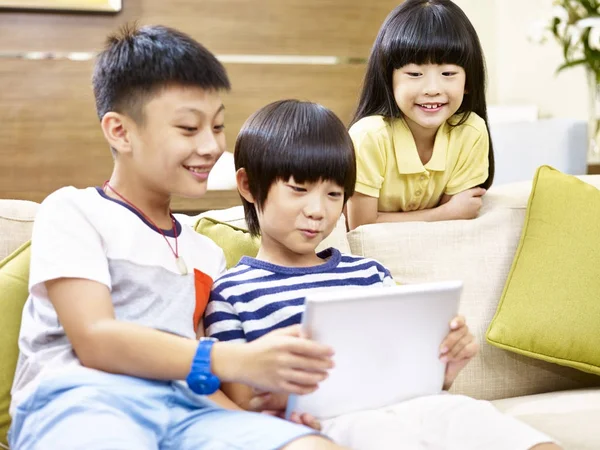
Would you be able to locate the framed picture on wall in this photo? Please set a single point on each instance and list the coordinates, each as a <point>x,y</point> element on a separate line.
<point>106,6</point>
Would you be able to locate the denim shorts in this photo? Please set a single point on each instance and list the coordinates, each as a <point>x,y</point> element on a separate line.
<point>93,410</point>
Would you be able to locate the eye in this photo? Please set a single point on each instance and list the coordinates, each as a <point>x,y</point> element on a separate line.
<point>413,74</point>
<point>187,129</point>
<point>296,188</point>
<point>219,128</point>
<point>449,74</point>
<point>336,194</point>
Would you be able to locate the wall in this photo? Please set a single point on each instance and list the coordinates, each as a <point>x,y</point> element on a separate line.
<point>522,72</point>
<point>50,136</point>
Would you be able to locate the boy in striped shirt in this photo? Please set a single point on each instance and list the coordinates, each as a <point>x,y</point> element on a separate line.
<point>296,169</point>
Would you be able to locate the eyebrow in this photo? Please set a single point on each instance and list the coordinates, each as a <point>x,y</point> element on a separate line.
<point>197,111</point>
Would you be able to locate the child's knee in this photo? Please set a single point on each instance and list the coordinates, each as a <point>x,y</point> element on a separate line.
<point>314,442</point>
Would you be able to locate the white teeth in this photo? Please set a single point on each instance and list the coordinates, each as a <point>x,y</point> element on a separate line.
<point>197,170</point>
<point>437,105</point>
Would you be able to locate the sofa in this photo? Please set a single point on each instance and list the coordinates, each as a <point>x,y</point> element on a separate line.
<point>562,402</point>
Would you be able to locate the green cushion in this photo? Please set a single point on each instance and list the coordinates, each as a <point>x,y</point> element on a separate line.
<point>14,275</point>
<point>550,306</point>
<point>235,242</point>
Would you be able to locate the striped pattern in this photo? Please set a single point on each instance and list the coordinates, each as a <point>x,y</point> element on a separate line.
<point>256,297</point>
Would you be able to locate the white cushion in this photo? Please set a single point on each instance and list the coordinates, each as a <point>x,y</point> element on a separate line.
<point>570,417</point>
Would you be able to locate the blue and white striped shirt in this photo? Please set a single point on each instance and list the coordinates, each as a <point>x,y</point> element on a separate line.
<point>256,297</point>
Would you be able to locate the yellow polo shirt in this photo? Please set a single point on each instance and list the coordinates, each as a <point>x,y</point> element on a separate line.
<point>389,166</point>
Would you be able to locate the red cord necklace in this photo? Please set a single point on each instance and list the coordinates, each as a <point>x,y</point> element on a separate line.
<point>181,265</point>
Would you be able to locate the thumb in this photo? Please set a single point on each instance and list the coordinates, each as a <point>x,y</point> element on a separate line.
<point>259,402</point>
<point>478,192</point>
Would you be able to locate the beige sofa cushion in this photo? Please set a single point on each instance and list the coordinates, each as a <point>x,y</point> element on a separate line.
<point>571,417</point>
<point>479,252</point>
<point>16,223</point>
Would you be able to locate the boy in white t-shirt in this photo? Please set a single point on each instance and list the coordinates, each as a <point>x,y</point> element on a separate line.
<point>118,286</point>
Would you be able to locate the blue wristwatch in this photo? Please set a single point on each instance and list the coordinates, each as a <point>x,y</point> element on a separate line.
<point>200,379</point>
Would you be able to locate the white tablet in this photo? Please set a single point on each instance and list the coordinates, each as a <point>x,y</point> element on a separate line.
<point>386,342</point>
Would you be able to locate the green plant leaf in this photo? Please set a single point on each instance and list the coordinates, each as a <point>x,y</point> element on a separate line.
<point>570,64</point>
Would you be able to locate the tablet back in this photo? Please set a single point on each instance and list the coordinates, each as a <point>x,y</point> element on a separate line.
<point>386,341</point>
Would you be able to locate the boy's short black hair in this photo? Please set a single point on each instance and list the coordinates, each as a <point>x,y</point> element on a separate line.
<point>138,62</point>
<point>290,138</point>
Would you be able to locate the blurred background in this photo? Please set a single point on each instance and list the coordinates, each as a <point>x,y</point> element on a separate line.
<point>307,49</point>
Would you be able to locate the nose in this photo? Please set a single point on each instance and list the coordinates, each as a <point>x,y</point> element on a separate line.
<point>210,145</point>
<point>432,85</point>
<point>315,206</point>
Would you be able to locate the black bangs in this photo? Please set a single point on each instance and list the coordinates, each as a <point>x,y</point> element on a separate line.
<point>296,139</point>
<point>432,37</point>
<point>137,62</point>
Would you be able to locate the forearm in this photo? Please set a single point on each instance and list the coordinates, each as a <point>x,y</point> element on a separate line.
<point>240,394</point>
<point>130,349</point>
<point>436,214</point>
<point>221,399</point>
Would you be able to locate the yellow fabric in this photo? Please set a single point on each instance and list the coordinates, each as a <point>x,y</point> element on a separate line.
<point>389,166</point>
<point>235,242</point>
<point>14,276</point>
<point>550,306</point>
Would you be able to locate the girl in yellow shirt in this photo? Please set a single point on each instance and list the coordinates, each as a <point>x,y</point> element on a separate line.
<point>420,131</point>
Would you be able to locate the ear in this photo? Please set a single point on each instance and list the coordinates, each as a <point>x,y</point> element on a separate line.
<point>116,129</point>
<point>241,178</point>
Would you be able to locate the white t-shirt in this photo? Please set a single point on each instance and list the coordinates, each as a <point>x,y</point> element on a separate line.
<point>82,233</point>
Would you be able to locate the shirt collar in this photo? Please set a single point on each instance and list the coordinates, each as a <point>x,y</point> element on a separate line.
<point>407,155</point>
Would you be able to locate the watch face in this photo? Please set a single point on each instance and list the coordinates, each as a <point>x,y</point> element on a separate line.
<point>204,384</point>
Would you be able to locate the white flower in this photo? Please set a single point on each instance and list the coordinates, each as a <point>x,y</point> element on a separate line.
<point>594,38</point>
<point>575,33</point>
<point>588,22</point>
<point>561,30</point>
<point>560,13</point>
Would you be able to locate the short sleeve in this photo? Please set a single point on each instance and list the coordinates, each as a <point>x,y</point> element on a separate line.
<point>222,321</point>
<point>65,244</point>
<point>370,160</point>
<point>386,276</point>
<point>472,168</point>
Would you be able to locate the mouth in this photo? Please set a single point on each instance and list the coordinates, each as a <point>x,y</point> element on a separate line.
<point>431,107</point>
<point>199,172</point>
<point>310,233</point>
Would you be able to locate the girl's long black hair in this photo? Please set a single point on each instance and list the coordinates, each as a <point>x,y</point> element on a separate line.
<point>425,32</point>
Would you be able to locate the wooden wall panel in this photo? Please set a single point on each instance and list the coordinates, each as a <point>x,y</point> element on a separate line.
<point>309,27</point>
<point>50,136</point>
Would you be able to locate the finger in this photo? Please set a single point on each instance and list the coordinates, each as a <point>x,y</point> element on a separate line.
<point>478,191</point>
<point>310,421</point>
<point>268,402</point>
<point>452,338</point>
<point>468,351</point>
<point>297,389</point>
<point>310,364</point>
<point>295,417</point>
<point>261,402</point>
<point>306,347</point>
<point>299,376</point>
<point>459,346</point>
<point>457,322</point>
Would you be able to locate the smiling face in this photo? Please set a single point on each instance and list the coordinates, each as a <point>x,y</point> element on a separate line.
<point>428,94</point>
<point>296,218</point>
<point>178,142</point>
